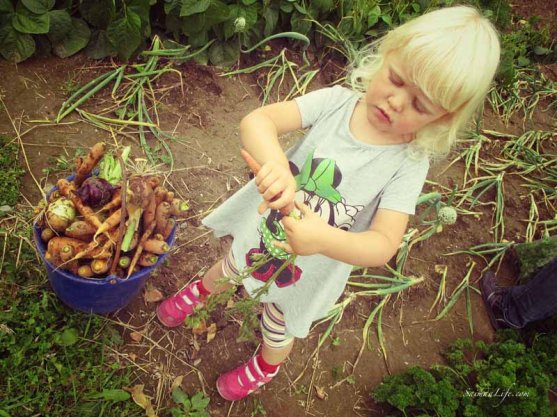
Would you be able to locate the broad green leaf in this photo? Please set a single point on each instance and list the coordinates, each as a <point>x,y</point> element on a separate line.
<point>110,395</point>
<point>15,46</point>
<point>142,8</point>
<point>68,337</point>
<point>217,13</point>
<point>248,2</point>
<point>199,401</point>
<point>190,7</point>
<point>322,5</point>
<point>99,46</point>
<point>39,6</point>
<point>199,39</point>
<point>125,34</point>
<point>6,7</point>
<point>25,21</point>
<point>74,41</point>
<point>224,53</point>
<point>98,13</point>
<point>271,16</point>
<point>60,25</point>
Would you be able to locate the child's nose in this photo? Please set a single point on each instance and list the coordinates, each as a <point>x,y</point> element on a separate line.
<point>397,101</point>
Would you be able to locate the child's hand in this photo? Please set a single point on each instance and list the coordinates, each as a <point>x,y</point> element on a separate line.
<point>277,186</point>
<point>304,236</point>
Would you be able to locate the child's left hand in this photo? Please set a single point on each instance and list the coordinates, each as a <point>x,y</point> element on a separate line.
<point>304,236</point>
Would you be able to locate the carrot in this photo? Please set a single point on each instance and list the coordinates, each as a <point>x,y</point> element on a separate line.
<point>168,229</point>
<point>154,181</point>
<point>53,258</point>
<point>47,234</point>
<point>67,189</point>
<point>161,217</point>
<point>255,167</point>
<point>100,266</point>
<point>160,194</point>
<point>252,164</point>
<point>124,261</point>
<point>148,259</point>
<point>158,236</point>
<point>146,235</point>
<point>62,245</point>
<point>169,197</point>
<point>89,162</point>
<point>85,271</point>
<point>179,207</point>
<point>81,230</point>
<point>115,202</point>
<point>112,221</point>
<point>157,247</point>
<point>149,213</point>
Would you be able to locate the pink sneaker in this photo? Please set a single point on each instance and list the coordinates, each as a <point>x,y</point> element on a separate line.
<point>242,381</point>
<point>173,311</point>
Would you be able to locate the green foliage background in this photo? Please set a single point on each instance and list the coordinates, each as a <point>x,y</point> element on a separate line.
<point>123,27</point>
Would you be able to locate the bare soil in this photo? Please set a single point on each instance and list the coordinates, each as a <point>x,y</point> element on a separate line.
<point>208,169</point>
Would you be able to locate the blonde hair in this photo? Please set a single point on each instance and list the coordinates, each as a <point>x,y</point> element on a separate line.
<point>452,55</point>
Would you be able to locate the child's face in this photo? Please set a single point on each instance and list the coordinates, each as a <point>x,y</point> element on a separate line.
<point>396,107</point>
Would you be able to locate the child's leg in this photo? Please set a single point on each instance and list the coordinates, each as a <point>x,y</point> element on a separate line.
<point>260,369</point>
<point>174,310</point>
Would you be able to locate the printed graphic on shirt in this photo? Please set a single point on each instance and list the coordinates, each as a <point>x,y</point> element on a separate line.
<point>317,182</point>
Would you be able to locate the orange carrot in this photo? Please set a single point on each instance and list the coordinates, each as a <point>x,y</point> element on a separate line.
<point>179,207</point>
<point>47,234</point>
<point>154,181</point>
<point>85,271</point>
<point>255,167</point>
<point>148,259</point>
<point>169,197</point>
<point>146,235</point>
<point>100,266</point>
<point>112,221</point>
<point>252,164</point>
<point>161,216</point>
<point>115,202</point>
<point>149,213</point>
<point>168,229</point>
<point>60,244</point>
<point>81,230</point>
<point>160,194</point>
<point>89,162</point>
<point>157,247</point>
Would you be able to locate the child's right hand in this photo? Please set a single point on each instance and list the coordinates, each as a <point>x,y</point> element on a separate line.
<point>277,185</point>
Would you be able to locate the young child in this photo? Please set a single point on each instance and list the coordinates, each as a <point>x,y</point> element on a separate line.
<point>355,177</point>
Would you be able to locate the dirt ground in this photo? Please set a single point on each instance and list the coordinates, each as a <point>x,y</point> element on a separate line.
<point>208,169</point>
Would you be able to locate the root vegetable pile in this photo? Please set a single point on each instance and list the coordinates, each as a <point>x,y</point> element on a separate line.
<point>92,231</point>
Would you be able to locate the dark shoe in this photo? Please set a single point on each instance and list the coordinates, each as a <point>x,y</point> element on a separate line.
<point>492,295</point>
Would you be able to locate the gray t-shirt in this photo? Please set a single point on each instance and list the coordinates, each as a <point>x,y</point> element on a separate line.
<point>342,179</point>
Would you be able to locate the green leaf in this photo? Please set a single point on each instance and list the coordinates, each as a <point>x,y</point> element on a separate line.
<point>39,6</point>
<point>25,21</point>
<point>248,2</point>
<point>60,25</point>
<point>99,45</point>
<point>74,40</point>
<point>97,13</point>
<point>125,34</point>
<point>110,395</point>
<point>180,397</point>
<point>540,50</point>
<point>15,46</point>
<point>271,19</point>
<point>68,337</point>
<point>190,7</point>
<point>199,401</point>
<point>224,53</point>
<point>249,13</point>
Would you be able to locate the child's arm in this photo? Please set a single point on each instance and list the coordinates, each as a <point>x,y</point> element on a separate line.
<point>259,132</point>
<point>374,247</point>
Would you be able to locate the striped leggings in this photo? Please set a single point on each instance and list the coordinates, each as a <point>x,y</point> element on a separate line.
<point>273,326</point>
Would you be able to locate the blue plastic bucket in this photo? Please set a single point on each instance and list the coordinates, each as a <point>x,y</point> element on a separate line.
<point>93,295</point>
